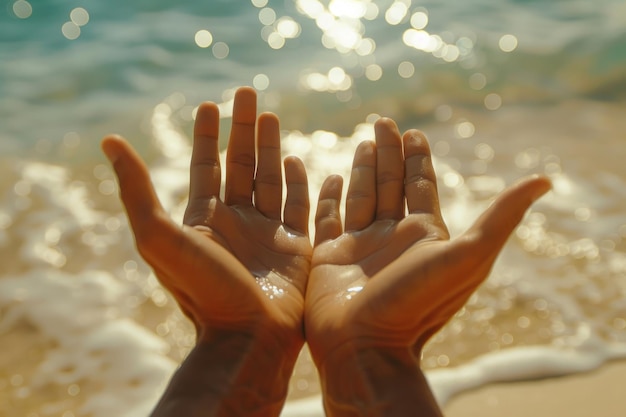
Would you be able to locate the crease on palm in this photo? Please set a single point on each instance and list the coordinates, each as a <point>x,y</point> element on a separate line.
<point>266,247</point>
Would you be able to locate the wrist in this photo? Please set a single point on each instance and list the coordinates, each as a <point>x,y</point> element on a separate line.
<point>231,373</point>
<point>364,379</point>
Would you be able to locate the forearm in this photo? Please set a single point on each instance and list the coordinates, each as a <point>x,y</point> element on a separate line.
<point>230,375</point>
<point>373,382</point>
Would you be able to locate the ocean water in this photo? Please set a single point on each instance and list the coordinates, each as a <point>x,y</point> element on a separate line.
<point>503,88</point>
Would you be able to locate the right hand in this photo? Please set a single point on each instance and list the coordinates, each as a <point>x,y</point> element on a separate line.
<point>241,264</point>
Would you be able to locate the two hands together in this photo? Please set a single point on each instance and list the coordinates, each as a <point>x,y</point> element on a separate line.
<point>366,296</point>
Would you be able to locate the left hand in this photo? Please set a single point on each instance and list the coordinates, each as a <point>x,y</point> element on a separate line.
<point>392,277</point>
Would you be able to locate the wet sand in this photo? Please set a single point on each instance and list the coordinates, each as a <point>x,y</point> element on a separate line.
<point>598,393</point>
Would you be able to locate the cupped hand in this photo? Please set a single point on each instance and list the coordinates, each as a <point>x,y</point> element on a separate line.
<point>392,277</point>
<point>240,263</point>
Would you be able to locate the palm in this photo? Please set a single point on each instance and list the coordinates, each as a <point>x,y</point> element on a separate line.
<point>276,258</point>
<point>240,262</point>
<point>393,278</point>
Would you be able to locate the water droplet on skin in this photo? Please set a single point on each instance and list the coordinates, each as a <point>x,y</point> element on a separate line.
<point>352,291</point>
<point>271,290</point>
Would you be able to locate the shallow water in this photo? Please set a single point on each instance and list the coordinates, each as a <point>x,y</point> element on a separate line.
<point>85,329</point>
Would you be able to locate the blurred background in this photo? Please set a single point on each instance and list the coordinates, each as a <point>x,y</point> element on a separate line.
<point>503,88</point>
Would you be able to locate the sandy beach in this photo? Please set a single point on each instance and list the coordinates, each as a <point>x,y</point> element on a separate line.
<point>502,89</point>
<point>598,393</point>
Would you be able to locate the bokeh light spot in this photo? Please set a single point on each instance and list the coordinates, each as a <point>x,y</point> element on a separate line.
<point>203,38</point>
<point>288,28</point>
<point>261,82</point>
<point>267,16</point>
<point>508,43</point>
<point>477,81</point>
<point>450,53</point>
<point>275,40</point>
<point>336,75</point>
<point>373,72</point>
<point>371,11</point>
<point>396,13</point>
<point>366,47</point>
<point>493,101</point>
<point>70,30</point>
<point>484,151</point>
<point>419,20</point>
<point>316,81</point>
<point>22,9</point>
<point>351,9</point>
<point>406,69</point>
<point>220,50</point>
<point>79,16</point>
<point>465,129</point>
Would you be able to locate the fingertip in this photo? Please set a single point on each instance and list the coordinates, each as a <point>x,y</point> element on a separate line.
<point>327,217</point>
<point>246,90</point>
<point>297,204</point>
<point>385,123</point>
<point>112,138</point>
<point>331,187</point>
<point>268,116</point>
<point>244,110</point>
<point>415,137</point>
<point>294,164</point>
<point>110,146</point>
<point>542,185</point>
<point>295,172</point>
<point>207,108</point>
<point>415,143</point>
<point>508,209</point>
<point>532,186</point>
<point>245,94</point>
<point>268,126</point>
<point>365,148</point>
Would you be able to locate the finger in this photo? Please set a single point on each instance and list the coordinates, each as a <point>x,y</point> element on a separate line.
<point>495,225</point>
<point>328,216</point>
<point>389,171</point>
<point>420,186</point>
<point>268,181</point>
<point>297,205</point>
<point>136,190</point>
<point>154,231</point>
<point>205,171</point>
<point>240,156</point>
<point>361,198</point>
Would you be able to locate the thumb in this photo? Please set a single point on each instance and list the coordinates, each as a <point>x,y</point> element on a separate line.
<point>495,225</point>
<point>136,189</point>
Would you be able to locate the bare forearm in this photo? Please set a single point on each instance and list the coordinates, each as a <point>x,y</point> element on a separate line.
<point>373,382</point>
<point>231,375</point>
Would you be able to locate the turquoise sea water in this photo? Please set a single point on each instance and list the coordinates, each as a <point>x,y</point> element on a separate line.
<point>502,89</point>
<point>129,56</point>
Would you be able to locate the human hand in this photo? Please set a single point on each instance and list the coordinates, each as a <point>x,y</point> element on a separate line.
<point>236,267</point>
<point>390,280</point>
